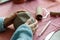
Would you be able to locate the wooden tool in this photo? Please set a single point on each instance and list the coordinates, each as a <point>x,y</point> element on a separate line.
<point>44,29</point>
<point>54,14</point>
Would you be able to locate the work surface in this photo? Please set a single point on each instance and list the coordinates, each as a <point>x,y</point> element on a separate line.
<point>10,8</point>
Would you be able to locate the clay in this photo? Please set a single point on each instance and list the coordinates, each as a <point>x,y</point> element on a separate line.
<point>22,17</point>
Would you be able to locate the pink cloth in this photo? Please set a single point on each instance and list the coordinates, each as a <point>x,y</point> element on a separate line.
<point>10,8</point>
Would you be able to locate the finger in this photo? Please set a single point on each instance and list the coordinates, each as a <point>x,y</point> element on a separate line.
<point>34,24</point>
<point>34,29</point>
<point>28,21</point>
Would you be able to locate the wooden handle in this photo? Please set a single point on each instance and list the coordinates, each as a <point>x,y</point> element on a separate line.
<point>55,14</point>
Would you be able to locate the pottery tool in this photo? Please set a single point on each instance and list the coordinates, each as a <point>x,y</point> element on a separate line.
<point>44,29</point>
<point>54,14</point>
<point>22,17</point>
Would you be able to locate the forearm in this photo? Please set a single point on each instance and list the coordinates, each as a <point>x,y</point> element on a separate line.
<point>23,32</point>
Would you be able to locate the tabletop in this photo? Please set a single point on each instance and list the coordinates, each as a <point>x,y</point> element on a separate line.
<point>9,8</point>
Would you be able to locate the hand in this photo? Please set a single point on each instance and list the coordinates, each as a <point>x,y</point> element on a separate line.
<point>9,19</point>
<point>33,25</point>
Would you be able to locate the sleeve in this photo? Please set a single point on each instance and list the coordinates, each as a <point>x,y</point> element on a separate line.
<point>2,24</point>
<point>23,32</point>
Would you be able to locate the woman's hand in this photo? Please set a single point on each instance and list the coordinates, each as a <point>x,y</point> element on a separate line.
<point>33,26</point>
<point>9,19</point>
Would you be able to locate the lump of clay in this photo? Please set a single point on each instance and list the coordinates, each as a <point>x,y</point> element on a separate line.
<point>22,17</point>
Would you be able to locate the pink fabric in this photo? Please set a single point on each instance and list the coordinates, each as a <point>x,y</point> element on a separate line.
<point>10,8</point>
